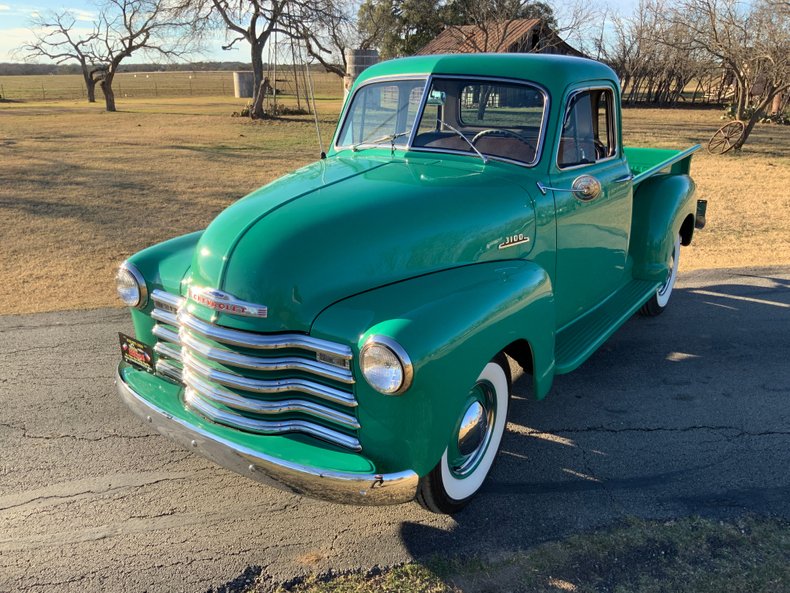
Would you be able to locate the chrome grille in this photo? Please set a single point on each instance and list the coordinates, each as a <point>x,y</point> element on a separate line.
<point>259,383</point>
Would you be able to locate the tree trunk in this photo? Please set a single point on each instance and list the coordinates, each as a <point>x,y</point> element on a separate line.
<point>742,96</point>
<point>256,54</point>
<point>90,85</point>
<point>759,111</point>
<point>109,95</point>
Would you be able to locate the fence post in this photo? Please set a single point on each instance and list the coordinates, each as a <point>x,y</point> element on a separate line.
<point>43,93</point>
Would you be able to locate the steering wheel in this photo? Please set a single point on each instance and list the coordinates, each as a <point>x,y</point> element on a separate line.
<point>502,132</point>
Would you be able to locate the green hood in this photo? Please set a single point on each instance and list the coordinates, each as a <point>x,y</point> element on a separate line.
<point>342,226</point>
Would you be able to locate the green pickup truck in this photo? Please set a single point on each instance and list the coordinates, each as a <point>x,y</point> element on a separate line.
<point>345,332</point>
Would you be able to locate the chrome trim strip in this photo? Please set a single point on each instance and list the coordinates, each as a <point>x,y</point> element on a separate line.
<point>168,299</point>
<point>268,386</point>
<point>193,400</point>
<point>256,406</point>
<point>165,317</point>
<point>163,333</point>
<point>163,349</point>
<point>245,339</point>
<point>290,363</point>
<point>168,370</point>
<point>342,487</point>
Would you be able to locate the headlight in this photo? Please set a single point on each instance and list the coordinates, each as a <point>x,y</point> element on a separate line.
<point>130,285</point>
<point>385,365</point>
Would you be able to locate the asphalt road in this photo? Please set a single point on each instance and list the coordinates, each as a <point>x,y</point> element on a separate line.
<point>687,413</point>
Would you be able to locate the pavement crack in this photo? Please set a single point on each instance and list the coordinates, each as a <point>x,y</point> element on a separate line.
<point>47,437</point>
<point>739,432</point>
<point>90,491</point>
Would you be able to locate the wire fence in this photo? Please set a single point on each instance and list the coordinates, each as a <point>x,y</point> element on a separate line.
<point>151,84</point>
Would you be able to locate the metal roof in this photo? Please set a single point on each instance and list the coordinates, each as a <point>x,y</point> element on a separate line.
<point>498,36</point>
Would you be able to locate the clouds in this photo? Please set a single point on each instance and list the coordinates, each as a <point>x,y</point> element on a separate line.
<point>15,22</point>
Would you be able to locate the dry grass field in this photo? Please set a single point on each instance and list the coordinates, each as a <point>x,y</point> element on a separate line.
<point>81,189</point>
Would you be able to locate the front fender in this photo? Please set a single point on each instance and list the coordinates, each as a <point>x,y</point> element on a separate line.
<point>163,266</point>
<point>661,205</point>
<point>451,324</point>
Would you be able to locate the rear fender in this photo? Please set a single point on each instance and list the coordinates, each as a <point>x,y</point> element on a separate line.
<point>662,204</point>
<point>451,324</point>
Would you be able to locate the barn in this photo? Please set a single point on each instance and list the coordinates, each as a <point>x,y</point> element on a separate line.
<point>511,36</point>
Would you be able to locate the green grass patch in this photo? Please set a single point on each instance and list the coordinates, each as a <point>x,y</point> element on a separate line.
<point>692,555</point>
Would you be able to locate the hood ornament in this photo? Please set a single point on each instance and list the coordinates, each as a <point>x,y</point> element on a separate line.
<point>226,303</point>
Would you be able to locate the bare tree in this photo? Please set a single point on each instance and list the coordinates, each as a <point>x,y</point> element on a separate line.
<point>327,28</point>
<point>125,27</point>
<point>752,42</point>
<point>56,38</point>
<point>254,22</point>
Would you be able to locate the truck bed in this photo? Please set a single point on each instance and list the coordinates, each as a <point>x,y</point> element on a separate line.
<point>646,162</point>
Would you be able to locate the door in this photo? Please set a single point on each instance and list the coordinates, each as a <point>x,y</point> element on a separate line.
<point>592,229</point>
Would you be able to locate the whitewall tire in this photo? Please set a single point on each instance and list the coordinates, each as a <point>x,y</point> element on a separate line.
<point>474,442</point>
<point>659,301</point>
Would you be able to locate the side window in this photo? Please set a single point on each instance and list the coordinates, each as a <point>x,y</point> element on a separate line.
<point>588,130</point>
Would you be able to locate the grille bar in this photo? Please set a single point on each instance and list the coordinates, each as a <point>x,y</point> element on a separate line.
<point>256,363</point>
<point>228,418</point>
<point>168,335</point>
<point>246,404</point>
<point>167,300</point>
<point>164,316</point>
<point>167,351</point>
<point>244,339</point>
<point>163,367</point>
<point>207,359</point>
<point>268,386</point>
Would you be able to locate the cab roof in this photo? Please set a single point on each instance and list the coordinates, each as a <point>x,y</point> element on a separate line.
<point>553,71</point>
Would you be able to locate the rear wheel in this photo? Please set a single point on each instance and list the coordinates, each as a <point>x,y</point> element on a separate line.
<point>473,444</point>
<point>659,301</point>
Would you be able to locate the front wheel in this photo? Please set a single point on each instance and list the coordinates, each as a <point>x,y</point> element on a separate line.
<point>659,301</point>
<point>473,444</point>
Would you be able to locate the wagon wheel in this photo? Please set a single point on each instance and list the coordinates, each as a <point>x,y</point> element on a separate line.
<point>725,137</point>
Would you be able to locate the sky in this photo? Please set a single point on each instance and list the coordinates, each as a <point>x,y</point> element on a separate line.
<point>15,26</point>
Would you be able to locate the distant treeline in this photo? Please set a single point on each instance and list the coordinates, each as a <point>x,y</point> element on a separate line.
<point>8,69</point>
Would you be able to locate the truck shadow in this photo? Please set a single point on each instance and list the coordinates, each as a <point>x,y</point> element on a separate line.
<point>683,414</point>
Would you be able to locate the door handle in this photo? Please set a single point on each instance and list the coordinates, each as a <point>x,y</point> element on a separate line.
<point>624,178</point>
<point>584,187</point>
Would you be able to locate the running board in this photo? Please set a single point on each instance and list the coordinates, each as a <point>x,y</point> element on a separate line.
<point>575,343</point>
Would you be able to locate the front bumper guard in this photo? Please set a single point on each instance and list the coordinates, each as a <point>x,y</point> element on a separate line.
<point>340,487</point>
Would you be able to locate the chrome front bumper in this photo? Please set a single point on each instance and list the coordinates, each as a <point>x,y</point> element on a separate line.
<point>348,488</point>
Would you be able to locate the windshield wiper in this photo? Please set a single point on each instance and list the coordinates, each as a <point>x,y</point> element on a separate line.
<point>388,138</point>
<point>469,142</point>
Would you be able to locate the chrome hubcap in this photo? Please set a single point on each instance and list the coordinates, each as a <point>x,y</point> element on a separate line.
<point>474,431</point>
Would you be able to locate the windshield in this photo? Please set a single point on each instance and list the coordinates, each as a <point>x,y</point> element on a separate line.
<point>382,113</point>
<point>499,119</point>
<point>475,116</point>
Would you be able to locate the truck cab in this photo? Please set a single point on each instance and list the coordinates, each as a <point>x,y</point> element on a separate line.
<point>345,331</point>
